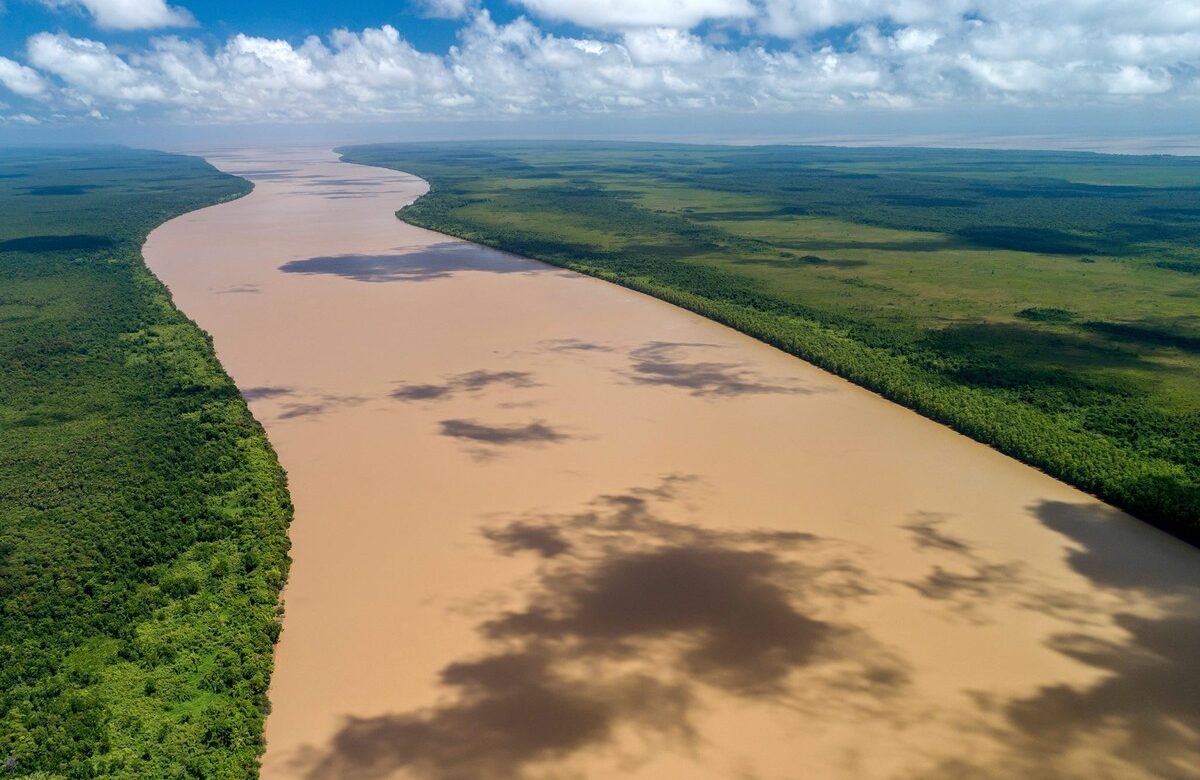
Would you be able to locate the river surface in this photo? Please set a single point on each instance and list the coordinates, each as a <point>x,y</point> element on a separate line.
<point>547,527</point>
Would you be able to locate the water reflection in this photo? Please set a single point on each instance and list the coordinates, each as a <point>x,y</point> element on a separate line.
<point>632,620</point>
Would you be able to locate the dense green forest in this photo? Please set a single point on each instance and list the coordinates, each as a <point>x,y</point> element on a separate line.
<point>1045,303</point>
<point>143,514</point>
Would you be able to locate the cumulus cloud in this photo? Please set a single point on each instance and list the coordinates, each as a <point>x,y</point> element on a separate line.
<point>20,79</point>
<point>130,14</point>
<point>624,14</point>
<point>91,72</point>
<point>664,44</point>
<point>794,18</point>
<point>644,57</point>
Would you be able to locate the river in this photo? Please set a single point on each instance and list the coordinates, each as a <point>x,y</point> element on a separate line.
<point>547,527</point>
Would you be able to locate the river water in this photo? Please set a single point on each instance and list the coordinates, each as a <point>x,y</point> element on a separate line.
<point>547,527</point>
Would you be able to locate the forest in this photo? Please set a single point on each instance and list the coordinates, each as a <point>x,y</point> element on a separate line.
<point>1044,303</point>
<point>143,513</point>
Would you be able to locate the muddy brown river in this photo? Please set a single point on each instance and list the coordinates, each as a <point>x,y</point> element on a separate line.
<point>547,527</point>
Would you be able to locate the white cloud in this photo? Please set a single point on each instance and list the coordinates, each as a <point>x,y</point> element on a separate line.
<point>664,44</point>
<point>794,18</point>
<point>1070,52</point>
<point>625,14</point>
<point>131,14</point>
<point>1132,80</point>
<point>91,72</point>
<point>915,40</point>
<point>446,9</point>
<point>20,79</point>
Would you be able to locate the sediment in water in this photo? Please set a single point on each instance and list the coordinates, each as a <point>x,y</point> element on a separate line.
<point>546,526</point>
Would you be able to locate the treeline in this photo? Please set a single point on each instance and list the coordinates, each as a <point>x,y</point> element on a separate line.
<point>1001,383</point>
<point>143,514</point>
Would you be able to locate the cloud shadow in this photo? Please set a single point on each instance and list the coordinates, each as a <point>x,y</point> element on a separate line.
<point>535,433</point>
<point>266,174</point>
<point>471,382</point>
<point>631,621</point>
<point>319,406</point>
<point>75,242</point>
<point>1140,718</point>
<point>437,261</point>
<point>62,189</point>
<point>240,289</point>
<point>574,345</point>
<point>666,364</point>
<point>266,391</point>
<point>1106,541</point>
<point>970,584</point>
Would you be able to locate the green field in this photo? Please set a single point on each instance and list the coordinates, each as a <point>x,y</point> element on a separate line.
<point>143,514</point>
<point>1045,303</point>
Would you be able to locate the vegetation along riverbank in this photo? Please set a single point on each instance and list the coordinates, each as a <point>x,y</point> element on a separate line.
<point>143,515</point>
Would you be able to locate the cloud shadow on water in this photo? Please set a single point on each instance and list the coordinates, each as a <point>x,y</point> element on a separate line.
<point>667,364</point>
<point>471,382</point>
<point>574,345</point>
<point>318,406</point>
<point>1141,717</point>
<point>327,181</point>
<point>265,391</point>
<point>1105,539</point>
<point>631,623</point>
<point>266,174</point>
<point>1148,702</point>
<point>437,261</point>
<point>972,585</point>
<point>543,538</point>
<point>421,392</point>
<point>534,432</point>
<point>927,535</point>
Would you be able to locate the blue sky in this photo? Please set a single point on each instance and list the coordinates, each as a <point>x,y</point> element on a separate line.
<point>218,19</point>
<point>755,68</point>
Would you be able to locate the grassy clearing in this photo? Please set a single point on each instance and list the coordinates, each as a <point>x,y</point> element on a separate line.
<point>924,275</point>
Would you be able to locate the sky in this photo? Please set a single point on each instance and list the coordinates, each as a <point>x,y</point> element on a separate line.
<point>732,69</point>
